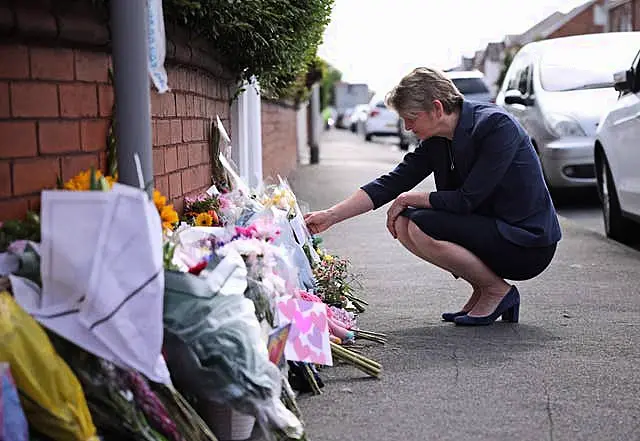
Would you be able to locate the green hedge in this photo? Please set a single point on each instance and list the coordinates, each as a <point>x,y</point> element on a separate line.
<point>275,40</point>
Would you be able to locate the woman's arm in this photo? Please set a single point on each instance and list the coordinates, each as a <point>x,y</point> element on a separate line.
<point>413,169</point>
<point>358,203</point>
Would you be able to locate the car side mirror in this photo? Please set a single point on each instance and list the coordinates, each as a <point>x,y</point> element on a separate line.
<point>623,81</point>
<point>514,96</point>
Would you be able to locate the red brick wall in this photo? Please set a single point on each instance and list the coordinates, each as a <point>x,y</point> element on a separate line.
<point>580,24</point>
<point>56,101</point>
<point>279,142</point>
<point>181,129</point>
<point>621,17</point>
<point>54,108</point>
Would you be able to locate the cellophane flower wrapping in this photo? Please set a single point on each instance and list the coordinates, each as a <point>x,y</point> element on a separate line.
<point>214,347</point>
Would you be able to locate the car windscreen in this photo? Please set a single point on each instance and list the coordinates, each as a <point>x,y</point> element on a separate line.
<point>584,67</point>
<point>470,85</point>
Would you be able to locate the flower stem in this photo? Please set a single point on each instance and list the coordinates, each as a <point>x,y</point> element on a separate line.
<point>372,336</point>
<point>366,365</point>
<point>355,299</point>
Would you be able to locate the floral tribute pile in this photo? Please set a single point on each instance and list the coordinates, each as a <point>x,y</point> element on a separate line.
<point>240,307</point>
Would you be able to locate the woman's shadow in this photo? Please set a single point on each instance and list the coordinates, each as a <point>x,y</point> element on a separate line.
<point>477,346</point>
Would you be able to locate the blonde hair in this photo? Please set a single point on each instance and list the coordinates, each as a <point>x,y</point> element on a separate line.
<point>417,91</point>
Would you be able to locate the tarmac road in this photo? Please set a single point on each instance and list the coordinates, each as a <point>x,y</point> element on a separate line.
<point>567,372</point>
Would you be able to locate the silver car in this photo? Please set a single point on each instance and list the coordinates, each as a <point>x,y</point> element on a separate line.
<point>559,90</point>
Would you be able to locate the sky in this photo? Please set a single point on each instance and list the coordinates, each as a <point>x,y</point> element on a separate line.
<point>379,41</point>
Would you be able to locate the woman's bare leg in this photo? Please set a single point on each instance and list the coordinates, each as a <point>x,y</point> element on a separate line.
<point>488,288</point>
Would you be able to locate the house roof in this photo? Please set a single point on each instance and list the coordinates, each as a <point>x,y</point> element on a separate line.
<point>570,16</point>
<point>540,29</point>
<point>550,24</point>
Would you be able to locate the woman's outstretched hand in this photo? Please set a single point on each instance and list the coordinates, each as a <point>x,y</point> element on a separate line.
<point>319,221</point>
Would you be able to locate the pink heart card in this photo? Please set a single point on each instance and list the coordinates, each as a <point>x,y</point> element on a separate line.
<point>308,339</point>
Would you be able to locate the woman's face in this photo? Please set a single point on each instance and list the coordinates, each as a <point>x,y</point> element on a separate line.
<point>422,123</point>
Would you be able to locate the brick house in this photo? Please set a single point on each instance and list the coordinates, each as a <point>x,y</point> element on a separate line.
<point>589,18</point>
<point>623,15</point>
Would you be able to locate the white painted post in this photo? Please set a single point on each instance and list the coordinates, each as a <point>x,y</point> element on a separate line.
<point>240,141</point>
<point>254,120</point>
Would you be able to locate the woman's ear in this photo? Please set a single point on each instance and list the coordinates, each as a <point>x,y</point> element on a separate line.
<point>438,109</point>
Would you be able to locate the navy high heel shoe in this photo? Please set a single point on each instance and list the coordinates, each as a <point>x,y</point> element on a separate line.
<point>508,308</point>
<point>450,316</point>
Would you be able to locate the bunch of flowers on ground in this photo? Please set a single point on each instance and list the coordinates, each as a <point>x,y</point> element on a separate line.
<point>202,211</point>
<point>262,252</point>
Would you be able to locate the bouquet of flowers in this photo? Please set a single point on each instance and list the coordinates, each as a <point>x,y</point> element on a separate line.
<point>202,211</point>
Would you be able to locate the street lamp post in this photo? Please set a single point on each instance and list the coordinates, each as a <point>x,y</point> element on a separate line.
<point>132,91</point>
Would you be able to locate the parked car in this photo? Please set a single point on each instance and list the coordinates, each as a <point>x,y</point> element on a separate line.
<point>382,121</point>
<point>559,89</point>
<point>358,117</point>
<point>471,84</point>
<point>617,158</point>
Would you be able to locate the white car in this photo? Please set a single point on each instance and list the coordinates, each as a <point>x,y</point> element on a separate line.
<point>381,121</point>
<point>472,84</point>
<point>617,158</point>
<point>358,117</point>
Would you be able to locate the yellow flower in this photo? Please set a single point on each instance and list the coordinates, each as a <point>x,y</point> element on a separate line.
<point>328,258</point>
<point>79,182</point>
<point>204,220</point>
<point>169,217</point>
<point>82,181</point>
<point>159,200</point>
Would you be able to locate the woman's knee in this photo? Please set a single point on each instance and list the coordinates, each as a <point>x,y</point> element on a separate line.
<point>401,225</point>
<point>416,235</point>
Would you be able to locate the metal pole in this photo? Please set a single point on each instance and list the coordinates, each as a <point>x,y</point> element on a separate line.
<point>132,91</point>
<point>314,125</point>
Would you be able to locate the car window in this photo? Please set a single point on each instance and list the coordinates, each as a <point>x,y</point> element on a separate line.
<point>381,105</point>
<point>470,85</point>
<point>514,81</point>
<point>515,71</point>
<point>636,67</point>
<point>584,67</point>
<point>524,80</point>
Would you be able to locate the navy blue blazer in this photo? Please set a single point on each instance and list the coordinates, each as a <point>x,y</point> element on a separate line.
<point>490,168</point>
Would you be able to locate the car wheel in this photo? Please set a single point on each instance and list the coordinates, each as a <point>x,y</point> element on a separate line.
<point>616,226</point>
<point>367,137</point>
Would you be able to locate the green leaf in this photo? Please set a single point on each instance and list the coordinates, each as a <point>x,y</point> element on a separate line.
<point>93,182</point>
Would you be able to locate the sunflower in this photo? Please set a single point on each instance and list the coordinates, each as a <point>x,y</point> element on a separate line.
<point>169,217</point>
<point>159,200</point>
<point>82,181</point>
<point>204,220</point>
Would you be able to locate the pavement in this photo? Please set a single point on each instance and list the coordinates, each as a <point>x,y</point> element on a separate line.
<point>567,372</point>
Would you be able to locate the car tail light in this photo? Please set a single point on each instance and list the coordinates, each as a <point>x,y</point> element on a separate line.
<point>374,113</point>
